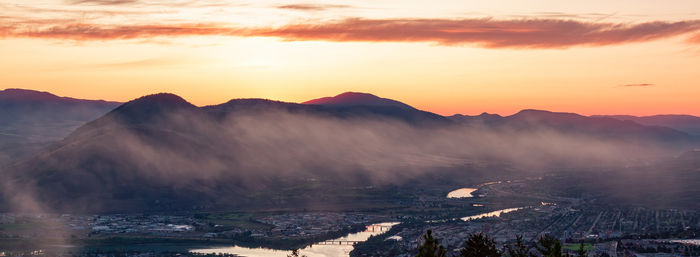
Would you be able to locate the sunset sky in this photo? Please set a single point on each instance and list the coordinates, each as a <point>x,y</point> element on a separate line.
<point>636,57</point>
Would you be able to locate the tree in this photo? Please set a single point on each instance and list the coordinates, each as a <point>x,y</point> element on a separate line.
<point>431,247</point>
<point>581,252</point>
<point>549,246</point>
<point>519,249</point>
<point>295,253</point>
<point>480,245</point>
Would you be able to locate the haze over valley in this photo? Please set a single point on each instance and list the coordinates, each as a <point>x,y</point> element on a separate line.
<point>338,128</point>
<point>161,149</point>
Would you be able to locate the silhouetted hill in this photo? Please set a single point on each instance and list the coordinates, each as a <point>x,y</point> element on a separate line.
<point>353,104</point>
<point>152,105</point>
<point>23,95</point>
<point>686,123</point>
<point>30,109</point>
<point>357,99</point>
<point>148,109</point>
<point>366,106</point>
<point>484,118</point>
<point>259,106</point>
<point>31,119</point>
<point>160,148</point>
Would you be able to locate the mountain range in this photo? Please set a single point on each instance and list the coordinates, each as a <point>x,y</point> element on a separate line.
<point>686,123</point>
<point>603,126</point>
<point>160,152</point>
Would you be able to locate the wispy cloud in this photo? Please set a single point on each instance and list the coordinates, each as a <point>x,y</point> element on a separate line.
<point>312,7</point>
<point>563,15</point>
<point>149,62</point>
<point>639,85</point>
<point>488,33</point>
<point>161,3</point>
<point>103,2</point>
<point>485,32</point>
<point>108,32</point>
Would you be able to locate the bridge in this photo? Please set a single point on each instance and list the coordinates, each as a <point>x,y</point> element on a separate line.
<point>370,228</point>
<point>377,228</point>
<point>338,242</point>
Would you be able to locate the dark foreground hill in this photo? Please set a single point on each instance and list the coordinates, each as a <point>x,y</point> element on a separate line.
<point>160,152</point>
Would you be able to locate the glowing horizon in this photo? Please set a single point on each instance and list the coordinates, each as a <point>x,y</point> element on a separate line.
<point>628,57</point>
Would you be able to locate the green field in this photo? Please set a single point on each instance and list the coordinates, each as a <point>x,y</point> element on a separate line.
<point>19,226</point>
<point>238,219</point>
<point>574,247</point>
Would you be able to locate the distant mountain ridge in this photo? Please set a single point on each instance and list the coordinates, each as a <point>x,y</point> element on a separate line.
<point>594,125</point>
<point>19,95</point>
<point>32,119</point>
<point>686,123</point>
<point>28,106</point>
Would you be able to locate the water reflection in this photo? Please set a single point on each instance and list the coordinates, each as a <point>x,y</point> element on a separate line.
<point>461,193</point>
<point>336,247</point>
<point>687,241</point>
<point>332,248</point>
<point>491,214</point>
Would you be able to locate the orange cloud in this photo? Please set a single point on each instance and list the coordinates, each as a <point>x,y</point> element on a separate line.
<point>5,31</point>
<point>639,85</point>
<point>695,39</point>
<point>487,33</point>
<point>106,32</point>
<point>312,7</point>
<point>104,2</point>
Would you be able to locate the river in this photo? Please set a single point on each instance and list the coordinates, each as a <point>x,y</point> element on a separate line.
<point>339,247</point>
<point>491,214</point>
<point>461,193</point>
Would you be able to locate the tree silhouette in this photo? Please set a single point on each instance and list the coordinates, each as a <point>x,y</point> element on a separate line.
<point>581,252</point>
<point>518,249</point>
<point>431,247</point>
<point>295,253</point>
<point>480,245</point>
<point>549,246</point>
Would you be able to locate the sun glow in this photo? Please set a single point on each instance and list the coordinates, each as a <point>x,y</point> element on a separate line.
<point>212,52</point>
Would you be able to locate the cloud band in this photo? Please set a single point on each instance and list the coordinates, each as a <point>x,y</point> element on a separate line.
<point>487,33</point>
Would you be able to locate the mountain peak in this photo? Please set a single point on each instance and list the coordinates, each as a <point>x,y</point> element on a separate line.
<point>356,94</point>
<point>357,99</point>
<point>489,115</point>
<point>542,114</point>
<point>152,105</point>
<point>532,111</point>
<point>164,99</point>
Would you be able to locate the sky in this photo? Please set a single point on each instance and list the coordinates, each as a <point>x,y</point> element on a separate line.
<point>637,57</point>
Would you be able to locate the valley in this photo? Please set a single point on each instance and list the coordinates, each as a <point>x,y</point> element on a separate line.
<point>533,215</point>
<point>350,175</point>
